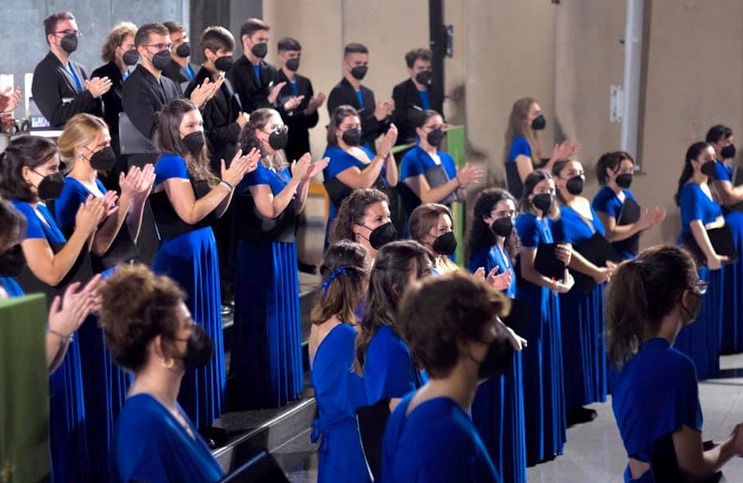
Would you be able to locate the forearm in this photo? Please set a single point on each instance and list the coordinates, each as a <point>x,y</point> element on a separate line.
<point>202,207</point>
<point>391,170</point>
<point>435,195</point>
<point>55,351</point>
<point>134,218</point>
<point>225,204</point>
<point>282,200</point>
<point>702,239</point>
<point>302,191</point>
<point>580,264</point>
<point>106,234</point>
<point>622,232</point>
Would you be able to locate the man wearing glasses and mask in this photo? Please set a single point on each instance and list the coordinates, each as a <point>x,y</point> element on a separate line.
<point>61,87</point>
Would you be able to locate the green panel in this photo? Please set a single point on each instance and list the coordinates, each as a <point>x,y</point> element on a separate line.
<point>456,146</point>
<point>24,385</point>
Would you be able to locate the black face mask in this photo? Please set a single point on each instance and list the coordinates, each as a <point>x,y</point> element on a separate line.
<point>445,244</point>
<point>69,43</point>
<point>293,64</point>
<point>543,201</point>
<point>51,186</point>
<point>260,50</point>
<point>194,142</point>
<point>103,160</point>
<point>435,137</point>
<point>539,123</point>
<point>224,63</point>
<point>161,60</point>
<point>130,57</point>
<point>575,185</point>
<point>352,137</point>
<point>12,261</point>
<point>498,360</point>
<point>624,181</point>
<point>502,226</point>
<point>693,313</point>
<point>728,152</point>
<point>199,348</point>
<point>382,235</point>
<point>708,169</point>
<point>183,50</point>
<point>359,72</point>
<point>424,77</point>
<point>278,139</point>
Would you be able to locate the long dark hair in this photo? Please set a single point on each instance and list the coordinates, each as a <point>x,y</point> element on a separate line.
<point>348,265</point>
<point>340,113</point>
<point>352,211</point>
<point>479,234</point>
<point>168,139</point>
<point>389,277</point>
<point>532,180</point>
<point>640,293</point>
<point>610,161</point>
<point>25,151</point>
<point>694,151</point>
<point>248,139</point>
<point>717,133</point>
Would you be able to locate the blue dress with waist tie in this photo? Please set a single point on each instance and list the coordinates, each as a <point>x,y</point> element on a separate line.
<point>655,394</point>
<point>731,331</point>
<point>498,408</point>
<point>106,384</point>
<point>67,425</point>
<point>339,392</point>
<point>701,340</point>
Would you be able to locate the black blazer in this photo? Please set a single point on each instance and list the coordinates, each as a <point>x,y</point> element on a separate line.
<point>219,113</point>
<point>111,99</point>
<point>343,93</point>
<point>52,83</point>
<point>142,97</point>
<point>177,74</point>
<point>252,93</point>
<point>405,95</point>
<point>299,124</point>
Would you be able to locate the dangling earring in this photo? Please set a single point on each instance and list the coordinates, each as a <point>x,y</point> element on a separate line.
<point>168,363</point>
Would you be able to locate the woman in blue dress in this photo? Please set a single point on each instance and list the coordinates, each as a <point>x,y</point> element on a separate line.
<point>353,166</point>
<point>187,198</point>
<point>581,309</point>
<point>430,174</point>
<point>622,217</point>
<point>544,386</point>
<point>699,213</point>
<point>731,334</point>
<point>656,398</point>
<point>339,391</point>
<point>364,218</point>
<point>523,153</point>
<point>266,362</point>
<point>452,327</point>
<point>150,332</point>
<point>498,409</point>
<point>85,146</point>
<point>30,174</point>
<point>382,357</point>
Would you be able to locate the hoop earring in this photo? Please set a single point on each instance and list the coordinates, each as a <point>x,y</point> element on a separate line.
<point>168,363</point>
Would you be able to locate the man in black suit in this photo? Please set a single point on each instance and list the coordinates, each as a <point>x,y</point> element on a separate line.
<point>305,116</point>
<point>180,70</point>
<point>60,86</point>
<point>375,117</point>
<point>147,90</point>
<point>412,96</point>
<point>255,80</point>
<point>223,121</point>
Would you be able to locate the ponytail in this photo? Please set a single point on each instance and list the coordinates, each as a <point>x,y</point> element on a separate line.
<point>694,151</point>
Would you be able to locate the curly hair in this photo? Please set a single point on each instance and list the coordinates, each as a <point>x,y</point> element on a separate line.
<point>392,268</point>
<point>115,39</point>
<point>136,307</point>
<point>352,212</point>
<point>479,234</point>
<point>342,294</point>
<point>438,313</point>
<point>248,139</point>
<point>25,151</point>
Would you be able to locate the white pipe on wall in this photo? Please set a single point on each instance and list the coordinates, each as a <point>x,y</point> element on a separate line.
<point>632,73</point>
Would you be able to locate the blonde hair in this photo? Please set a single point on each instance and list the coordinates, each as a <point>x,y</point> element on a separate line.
<point>518,127</point>
<point>81,130</point>
<point>115,38</point>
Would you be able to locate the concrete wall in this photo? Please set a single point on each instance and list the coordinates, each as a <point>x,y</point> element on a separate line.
<point>22,33</point>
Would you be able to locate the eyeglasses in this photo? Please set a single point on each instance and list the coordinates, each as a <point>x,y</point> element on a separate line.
<point>701,287</point>
<point>278,129</point>
<point>160,47</point>
<point>68,32</point>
